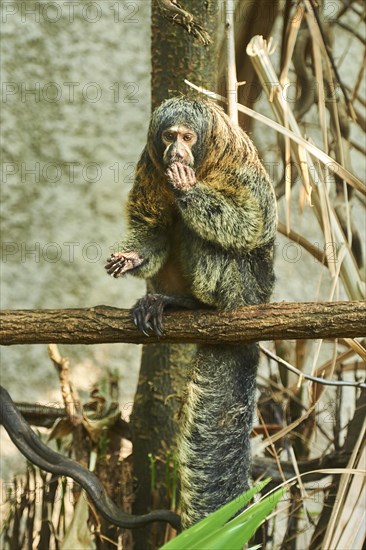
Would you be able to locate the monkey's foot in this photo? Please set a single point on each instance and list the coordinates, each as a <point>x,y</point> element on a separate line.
<point>148,313</point>
<point>181,176</point>
<point>121,262</point>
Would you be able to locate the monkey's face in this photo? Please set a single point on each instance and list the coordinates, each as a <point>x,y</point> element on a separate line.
<point>178,142</point>
<point>179,131</point>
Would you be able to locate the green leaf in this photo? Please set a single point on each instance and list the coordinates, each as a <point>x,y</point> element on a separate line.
<point>194,537</point>
<point>238,531</point>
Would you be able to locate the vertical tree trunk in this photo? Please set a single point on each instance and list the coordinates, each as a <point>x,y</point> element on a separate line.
<point>176,55</point>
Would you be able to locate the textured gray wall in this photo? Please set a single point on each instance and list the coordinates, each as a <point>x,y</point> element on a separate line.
<point>69,149</point>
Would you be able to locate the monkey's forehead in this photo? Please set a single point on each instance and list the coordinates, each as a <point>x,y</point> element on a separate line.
<point>176,120</point>
<point>180,112</point>
<point>178,128</point>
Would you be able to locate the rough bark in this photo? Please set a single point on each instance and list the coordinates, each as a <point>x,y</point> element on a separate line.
<point>102,324</point>
<point>177,55</point>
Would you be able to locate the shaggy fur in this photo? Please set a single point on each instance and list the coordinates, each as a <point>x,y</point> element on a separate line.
<point>213,243</point>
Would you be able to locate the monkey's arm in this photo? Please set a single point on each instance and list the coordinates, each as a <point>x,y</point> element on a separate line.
<point>241,217</point>
<point>142,252</point>
<point>146,246</point>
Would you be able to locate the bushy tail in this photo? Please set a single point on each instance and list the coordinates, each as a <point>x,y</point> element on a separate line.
<point>214,445</point>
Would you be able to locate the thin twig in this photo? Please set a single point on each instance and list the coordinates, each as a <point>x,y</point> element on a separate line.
<point>170,9</point>
<point>315,251</point>
<point>330,56</point>
<point>231,63</point>
<point>69,394</point>
<point>316,379</point>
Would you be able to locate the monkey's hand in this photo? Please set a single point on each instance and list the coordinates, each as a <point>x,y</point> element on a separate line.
<point>148,313</point>
<point>121,262</point>
<point>181,176</point>
<point>148,310</point>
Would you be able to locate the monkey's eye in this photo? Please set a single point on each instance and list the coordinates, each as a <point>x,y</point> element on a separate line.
<point>169,136</point>
<point>187,137</point>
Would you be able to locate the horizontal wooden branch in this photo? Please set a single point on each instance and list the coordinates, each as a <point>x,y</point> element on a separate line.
<point>103,324</point>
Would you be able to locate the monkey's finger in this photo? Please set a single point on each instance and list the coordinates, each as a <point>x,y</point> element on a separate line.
<point>148,325</point>
<point>119,269</point>
<point>111,266</point>
<point>170,175</point>
<point>177,167</point>
<point>159,318</point>
<point>115,256</point>
<point>114,268</point>
<point>145,332</point>
<point>146,320</point>
<point>139,321</point>
<point>182,175</point>
<point>173,168</point>
<point>135,318</point>
<point>158,325</point>
<point>117,260</point>
<point>181,170</point>
<point>117,273</point>
<point>138,317</point>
